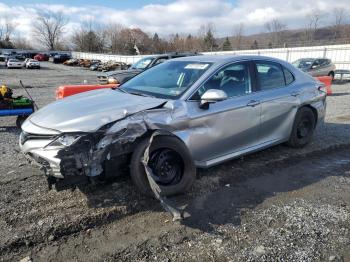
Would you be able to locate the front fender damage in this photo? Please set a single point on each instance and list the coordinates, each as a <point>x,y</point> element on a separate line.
<point>88,155</point>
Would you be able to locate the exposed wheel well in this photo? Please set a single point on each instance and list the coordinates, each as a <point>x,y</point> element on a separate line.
<point>314,111</point>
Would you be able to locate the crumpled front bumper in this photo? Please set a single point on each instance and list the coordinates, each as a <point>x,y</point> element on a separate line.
<point>35,151</point>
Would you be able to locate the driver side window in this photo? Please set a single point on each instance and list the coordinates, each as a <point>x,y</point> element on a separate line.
<point>234,80</point>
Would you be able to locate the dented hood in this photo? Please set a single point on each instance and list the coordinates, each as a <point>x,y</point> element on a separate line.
<point>87,112</point>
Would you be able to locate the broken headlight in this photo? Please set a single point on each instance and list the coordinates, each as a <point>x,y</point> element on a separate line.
<point>108,139</point>
<point>65,140</point>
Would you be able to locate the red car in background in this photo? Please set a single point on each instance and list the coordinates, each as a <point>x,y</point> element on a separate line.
<point>42,57</point>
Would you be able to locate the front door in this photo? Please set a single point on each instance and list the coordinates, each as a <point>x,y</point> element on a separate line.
<point>227,126</point>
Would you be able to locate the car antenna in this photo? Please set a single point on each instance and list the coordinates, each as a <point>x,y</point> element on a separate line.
<point>25,89</point>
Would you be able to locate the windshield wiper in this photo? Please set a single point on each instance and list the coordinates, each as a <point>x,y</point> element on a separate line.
<point>140,94</point>
<point>133,93</point>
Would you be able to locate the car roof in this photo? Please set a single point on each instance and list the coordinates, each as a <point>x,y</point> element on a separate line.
<point>224,58</point>
<point>313,58</point>
<point>174,54</point>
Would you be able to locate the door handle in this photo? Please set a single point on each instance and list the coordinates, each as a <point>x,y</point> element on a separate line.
<point>295,93</point>
<point>253,103</point>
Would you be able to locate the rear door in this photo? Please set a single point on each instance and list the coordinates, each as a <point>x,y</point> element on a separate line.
<point>279,99</point>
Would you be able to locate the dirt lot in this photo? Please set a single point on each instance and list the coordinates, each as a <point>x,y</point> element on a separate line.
<point>281,204</point>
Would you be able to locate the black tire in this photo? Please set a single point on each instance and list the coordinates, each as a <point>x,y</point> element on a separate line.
<point>161,144</point>
<point>20,120</point>
<point>303,128</point>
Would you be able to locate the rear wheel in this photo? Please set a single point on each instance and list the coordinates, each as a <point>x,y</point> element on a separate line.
<point>171,164</point>
<point>303,128</point>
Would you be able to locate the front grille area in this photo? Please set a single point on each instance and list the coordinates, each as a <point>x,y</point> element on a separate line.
<point>24,137</point>
<point>102,79</point>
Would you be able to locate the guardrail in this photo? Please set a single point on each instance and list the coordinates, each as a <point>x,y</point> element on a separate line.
<point>339,54</point>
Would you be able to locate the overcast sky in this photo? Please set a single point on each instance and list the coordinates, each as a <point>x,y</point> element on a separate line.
<point>167,17</point>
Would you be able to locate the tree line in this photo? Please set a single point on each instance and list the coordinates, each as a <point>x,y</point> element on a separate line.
<point>50,30</point>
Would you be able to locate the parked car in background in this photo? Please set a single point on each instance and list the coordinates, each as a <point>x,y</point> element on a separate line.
<point>121,76</point>
<point>52,54</point>
<point>61,58</point>
<point>42,57</point>
<point>14,63</point>
<point>3,57</point>
<point>25,61</point>
<point>32,63</point>
<point>185,113</point>
<point>14,56</point>
<point>316,66</point>
<point>94,66</point>
<point>8,57</point>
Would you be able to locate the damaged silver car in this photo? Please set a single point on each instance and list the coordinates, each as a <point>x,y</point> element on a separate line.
<point>164,123</point>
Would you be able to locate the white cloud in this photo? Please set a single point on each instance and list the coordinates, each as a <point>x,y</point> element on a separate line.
<point>183,16</point>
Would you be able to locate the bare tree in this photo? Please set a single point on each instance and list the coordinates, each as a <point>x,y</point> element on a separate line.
<point>21,43</point>
<point>113,37</point>
<point>339,16</point>
<point>7,29</point>
<point>237,36</point>
<point>276,30</point>
<point>48,29</point>
<point>206,37</point>
<point>313,23</point>
<point>91,37</point>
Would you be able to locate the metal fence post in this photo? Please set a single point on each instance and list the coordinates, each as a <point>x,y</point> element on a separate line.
<point>325,52</point>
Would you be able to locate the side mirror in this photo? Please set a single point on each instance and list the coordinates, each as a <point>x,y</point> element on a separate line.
<point>212,96</point>
<point>314,66</point>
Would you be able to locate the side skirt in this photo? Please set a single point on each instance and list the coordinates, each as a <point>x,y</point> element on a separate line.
<point>236,154</point>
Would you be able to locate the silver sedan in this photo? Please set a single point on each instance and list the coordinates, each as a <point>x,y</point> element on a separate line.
<point>184,114</point>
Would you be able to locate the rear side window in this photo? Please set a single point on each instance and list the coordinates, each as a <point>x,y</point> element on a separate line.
<point>288,76</point>
<point>270,75</point>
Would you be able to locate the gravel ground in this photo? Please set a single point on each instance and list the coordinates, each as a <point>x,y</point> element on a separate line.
<point>280,204</point>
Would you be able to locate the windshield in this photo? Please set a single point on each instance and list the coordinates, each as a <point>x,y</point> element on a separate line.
<point>304,63</point>
<point>167,80</point>
<point>142,64</point>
